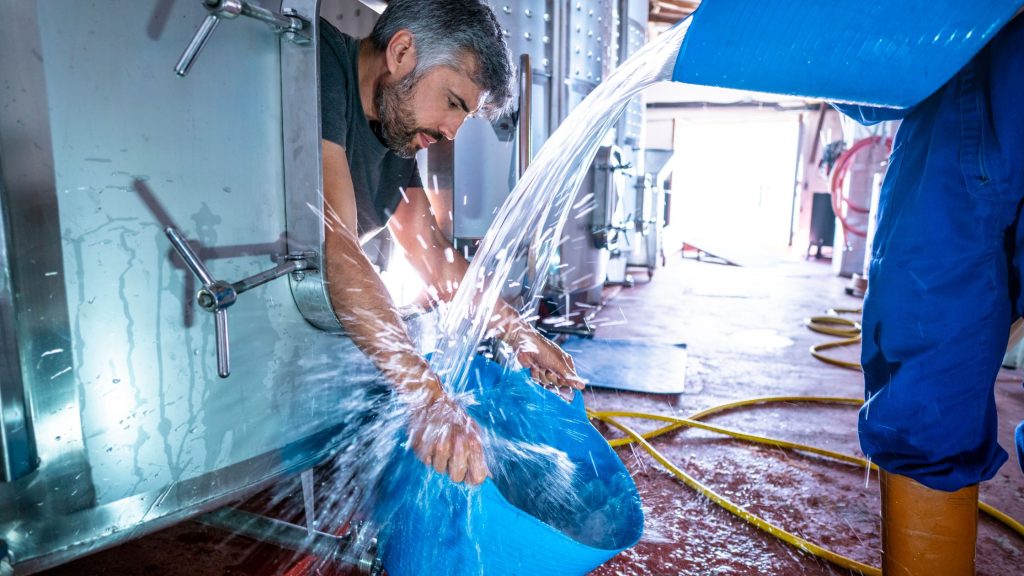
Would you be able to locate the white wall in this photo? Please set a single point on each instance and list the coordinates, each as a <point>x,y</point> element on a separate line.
<point>734,177</point>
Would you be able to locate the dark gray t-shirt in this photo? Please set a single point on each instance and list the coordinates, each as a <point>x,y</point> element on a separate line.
<point>378,174</point>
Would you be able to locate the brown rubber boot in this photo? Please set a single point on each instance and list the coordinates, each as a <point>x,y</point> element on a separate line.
<point>927,532</point>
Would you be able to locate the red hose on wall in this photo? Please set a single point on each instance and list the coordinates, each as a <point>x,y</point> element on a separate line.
<point>842,166</point>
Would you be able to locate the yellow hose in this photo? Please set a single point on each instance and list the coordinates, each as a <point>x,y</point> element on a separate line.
<point>850,331</point>
<point>788,537</point>
<point>610,417</point>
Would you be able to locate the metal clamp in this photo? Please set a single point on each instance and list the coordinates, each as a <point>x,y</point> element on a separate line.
<point>217,296</point>
<point>293,27</point>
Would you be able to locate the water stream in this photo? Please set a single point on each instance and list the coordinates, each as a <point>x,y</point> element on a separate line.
<point>527,227</point>
<point>530,221</point>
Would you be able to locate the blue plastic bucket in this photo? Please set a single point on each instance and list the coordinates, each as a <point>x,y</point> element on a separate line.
<point>512,523</point>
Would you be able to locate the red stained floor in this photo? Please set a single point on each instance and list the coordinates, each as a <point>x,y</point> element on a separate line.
<point>746,337</point>
<point>721,313</point>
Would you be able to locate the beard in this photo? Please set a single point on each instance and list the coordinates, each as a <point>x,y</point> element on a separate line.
<point>398,127</point>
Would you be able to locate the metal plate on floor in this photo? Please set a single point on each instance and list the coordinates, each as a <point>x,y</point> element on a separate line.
<point>633,365</point>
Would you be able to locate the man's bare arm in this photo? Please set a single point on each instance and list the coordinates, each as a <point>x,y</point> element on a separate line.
<point>443,268</point>
<point>440,432</point>
<point>358,296</point>
<point>440,266</point>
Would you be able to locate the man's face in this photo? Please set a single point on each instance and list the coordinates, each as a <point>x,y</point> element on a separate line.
<point>415,114</point>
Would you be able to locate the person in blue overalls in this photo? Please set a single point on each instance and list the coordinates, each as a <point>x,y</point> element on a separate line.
<point>946,282</point>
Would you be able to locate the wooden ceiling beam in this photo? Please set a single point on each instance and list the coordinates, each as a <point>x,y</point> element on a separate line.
<point>666,18</point>
<point>681,5</point>
<point>670,11</point>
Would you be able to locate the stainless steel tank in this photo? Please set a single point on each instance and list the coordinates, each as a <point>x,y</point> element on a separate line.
<point>589,53</point>
<point>115,421</point>
<point>636,226</point>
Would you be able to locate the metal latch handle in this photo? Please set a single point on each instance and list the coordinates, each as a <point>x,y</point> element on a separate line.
<point>293,27</point>
<point>216,296</point>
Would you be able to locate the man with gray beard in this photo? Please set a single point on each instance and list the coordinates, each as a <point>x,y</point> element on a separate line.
<point>427,65</point>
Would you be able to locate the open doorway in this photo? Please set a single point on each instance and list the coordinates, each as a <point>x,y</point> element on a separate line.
<point>733,182</point>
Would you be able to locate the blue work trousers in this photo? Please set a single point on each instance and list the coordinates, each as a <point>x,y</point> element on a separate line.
<point>946,273</point>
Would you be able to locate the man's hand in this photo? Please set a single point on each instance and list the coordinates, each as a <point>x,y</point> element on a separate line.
<point>549,365</point>
<point>444,437</point>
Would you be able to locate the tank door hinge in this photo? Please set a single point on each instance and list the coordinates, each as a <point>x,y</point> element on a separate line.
<point>294,28</point>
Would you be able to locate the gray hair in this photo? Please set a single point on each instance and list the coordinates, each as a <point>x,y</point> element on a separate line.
<point>444,33</point>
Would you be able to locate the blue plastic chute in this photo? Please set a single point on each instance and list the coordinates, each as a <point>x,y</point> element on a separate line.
<point>891,54</point>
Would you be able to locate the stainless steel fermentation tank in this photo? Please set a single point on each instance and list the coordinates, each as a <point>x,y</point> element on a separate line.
<point>126,189</point>
<point>114,419</point>
<point>638,231</point>
<point>601,235</point>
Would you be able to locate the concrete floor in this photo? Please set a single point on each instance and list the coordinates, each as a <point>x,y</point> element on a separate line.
<point>746,337</point>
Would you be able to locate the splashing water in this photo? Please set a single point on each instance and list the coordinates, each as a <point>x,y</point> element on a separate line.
<point>539,205</point>
<point>529,225</point>
<point>544,466</point>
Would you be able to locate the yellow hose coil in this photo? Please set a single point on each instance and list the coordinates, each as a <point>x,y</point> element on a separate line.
<point>848,330</point>
<point>675,423</point>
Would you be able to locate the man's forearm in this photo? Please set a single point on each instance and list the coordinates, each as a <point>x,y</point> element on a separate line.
<point>366,312</point>
<point>506,321</point>
<point>440,432</point>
